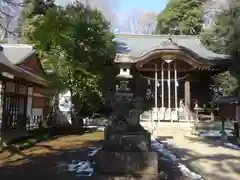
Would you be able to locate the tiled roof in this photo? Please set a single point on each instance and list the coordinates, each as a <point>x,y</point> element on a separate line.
<point>226,100</point>
<point>138,45</point>
<point>9,59</point>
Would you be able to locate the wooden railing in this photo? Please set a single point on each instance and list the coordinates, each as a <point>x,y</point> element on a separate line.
<point>200,114</point>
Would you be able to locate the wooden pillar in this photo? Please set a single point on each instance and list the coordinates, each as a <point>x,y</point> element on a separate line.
<point>29,107</point>
<point>187,96</point>
<point>169,91</point>
<point>237,120</point>
<point>162,76</point>
<point>1,108</point>
<point>175,86</point>
<point>156,87</point>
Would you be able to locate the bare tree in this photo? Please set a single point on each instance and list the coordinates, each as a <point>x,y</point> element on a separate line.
<point>9,13</point>
<point>211,7</point>
<point>107,8</point>
<point>148,22</point>
<point>140,22</point>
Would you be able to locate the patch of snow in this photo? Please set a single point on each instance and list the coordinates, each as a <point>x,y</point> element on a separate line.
<point>216,133</point>
<point>232,146</point>
<point>84,168</point>
<point>74,165</point>
<point>168,155</point>
<point>186,172</point>
<point>99,128</point>
<point>161,148</point>
<point>92,150</point>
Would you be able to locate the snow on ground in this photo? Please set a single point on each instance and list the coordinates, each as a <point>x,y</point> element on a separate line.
<point>187,173</point>
<point>99,128</point>
<point>156,145</point>
<point>216,133</point>
<point>232,146</point>
<point>163,150</point>
<point>84,168</point>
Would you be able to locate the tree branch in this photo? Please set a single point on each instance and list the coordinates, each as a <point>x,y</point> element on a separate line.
<point>13,4</point>
<point>8,13</point>
<point>9,32</point>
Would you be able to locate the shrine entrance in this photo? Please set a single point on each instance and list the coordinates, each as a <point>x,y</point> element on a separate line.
<point>172,74</point>
<point>168,84</point>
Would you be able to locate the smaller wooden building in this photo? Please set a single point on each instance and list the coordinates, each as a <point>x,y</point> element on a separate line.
<point>23,88</point>
<point>227,106</point>
<point>229,109</point>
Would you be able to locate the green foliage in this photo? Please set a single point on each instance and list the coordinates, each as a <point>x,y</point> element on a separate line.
<point>186,14</point>
<point>224,37</point>
<point>227,82</point>
<point>31,10</point>
<point>36,7</point>
<point>76,44</point>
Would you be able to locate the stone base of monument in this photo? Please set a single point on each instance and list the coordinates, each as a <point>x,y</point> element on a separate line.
<point>136,164</point>
<point>127,141</point>
<point>128,153</point>
<point>127,145</point>
<point>126,177</point>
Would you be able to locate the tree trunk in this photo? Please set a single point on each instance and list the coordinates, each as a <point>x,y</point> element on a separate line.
<point>224,135</point>
<point>236,129</point>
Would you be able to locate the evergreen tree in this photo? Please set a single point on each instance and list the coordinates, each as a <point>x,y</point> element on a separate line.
<point>181,17</point>
<point>76,43</point>
<point>30,11</point>
<point>224,37</point>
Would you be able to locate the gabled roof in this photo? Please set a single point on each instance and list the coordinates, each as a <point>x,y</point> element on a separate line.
<point>138,45</point>
<point>10,65</point>
<point>6,65</point>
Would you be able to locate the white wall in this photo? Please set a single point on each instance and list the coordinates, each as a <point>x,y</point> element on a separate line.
<point>65,107</point>
<point>32,113</point>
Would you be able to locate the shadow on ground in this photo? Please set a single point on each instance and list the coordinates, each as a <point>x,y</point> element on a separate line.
<point>205,156</point>
<point>49,160</point>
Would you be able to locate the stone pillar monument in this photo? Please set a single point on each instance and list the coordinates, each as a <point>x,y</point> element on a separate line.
<point>127,145</point>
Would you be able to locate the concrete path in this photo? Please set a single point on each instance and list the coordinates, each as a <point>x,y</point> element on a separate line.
<point>206,157</point>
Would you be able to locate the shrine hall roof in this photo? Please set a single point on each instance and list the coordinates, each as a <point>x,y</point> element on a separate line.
<point>226,100</point>
<point>138,45</point>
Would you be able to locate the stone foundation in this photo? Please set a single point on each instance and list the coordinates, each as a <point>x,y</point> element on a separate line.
<point>131,163</point>
<point>127,141</point>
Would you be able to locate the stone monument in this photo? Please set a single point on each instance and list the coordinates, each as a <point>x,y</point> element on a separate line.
<point>127,145</point>
<point>124,132</point>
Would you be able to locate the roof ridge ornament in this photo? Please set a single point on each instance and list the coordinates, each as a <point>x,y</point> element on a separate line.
<point>169,44</point>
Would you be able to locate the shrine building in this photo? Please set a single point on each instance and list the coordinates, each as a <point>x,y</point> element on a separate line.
<point>173,74</point>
